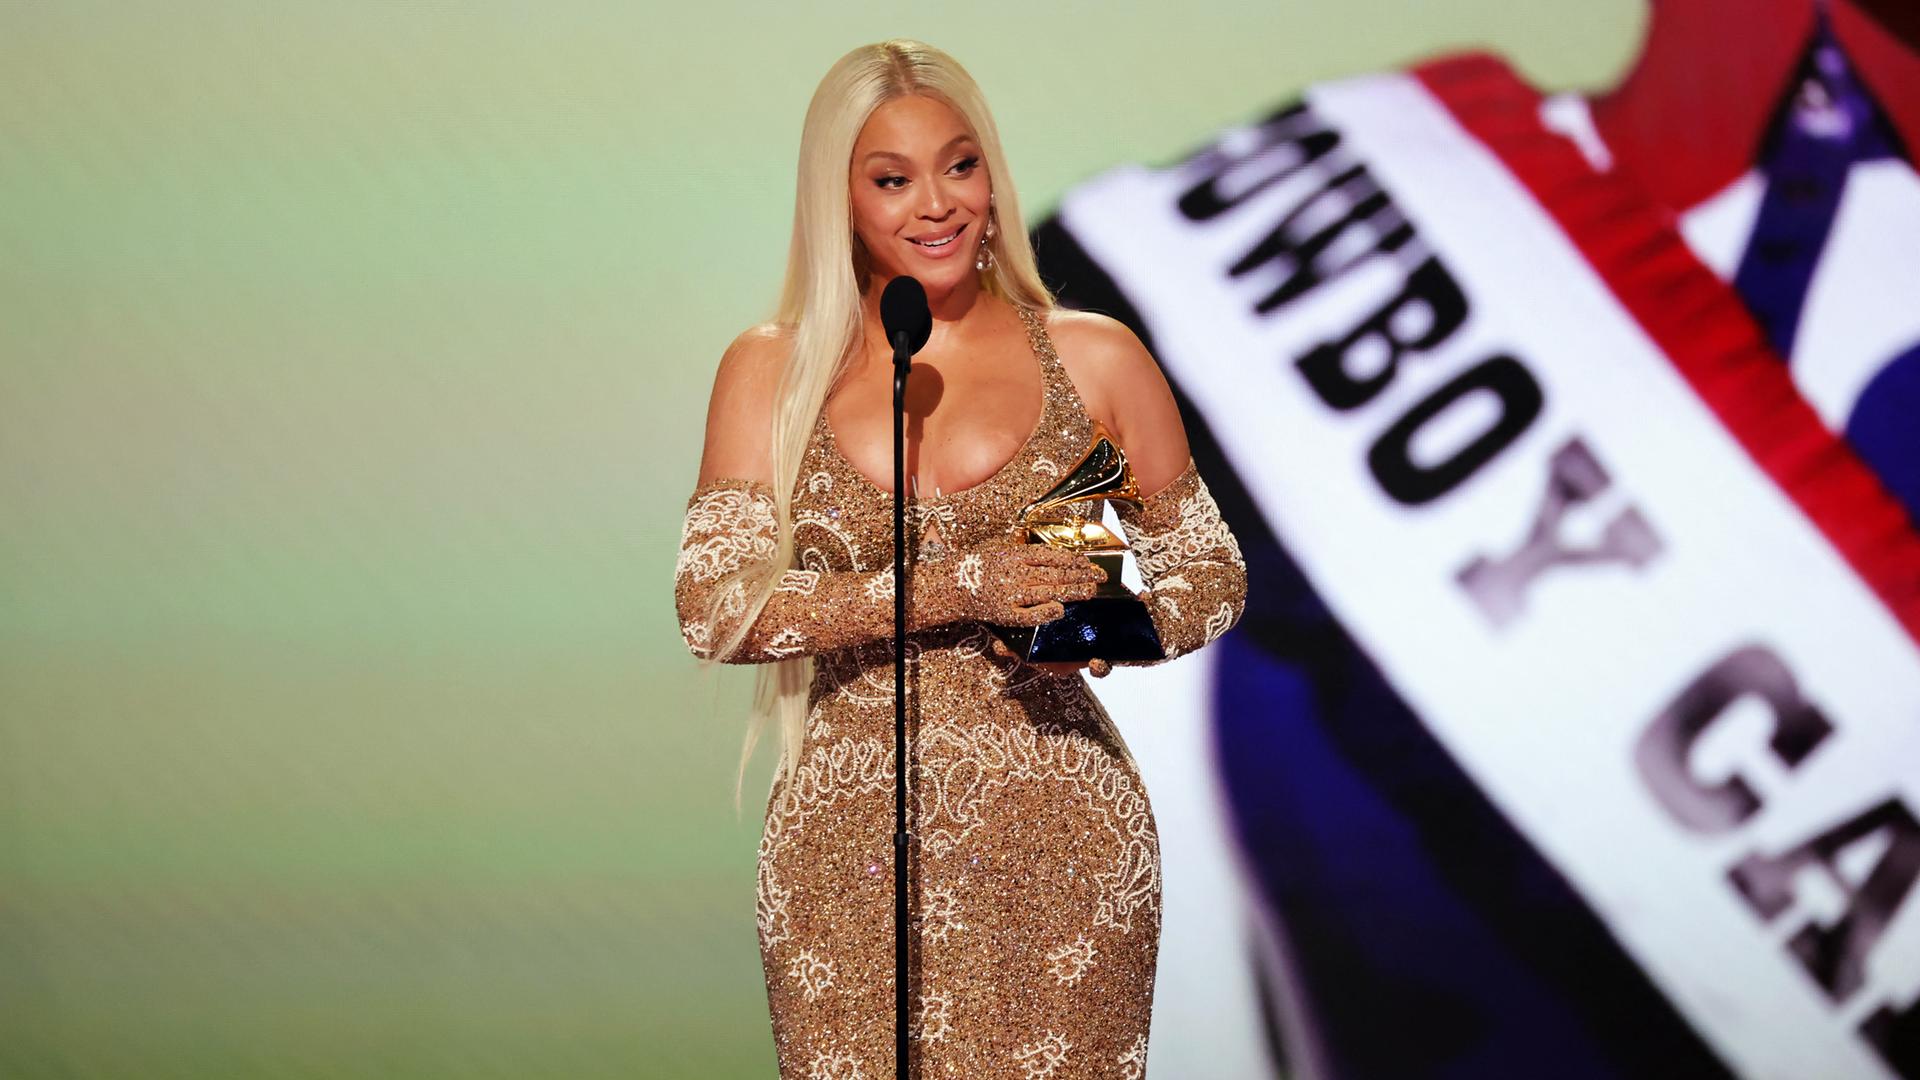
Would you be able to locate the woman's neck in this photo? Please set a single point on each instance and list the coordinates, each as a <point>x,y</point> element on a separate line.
<point>1692,114</point>
<point>949,308</point>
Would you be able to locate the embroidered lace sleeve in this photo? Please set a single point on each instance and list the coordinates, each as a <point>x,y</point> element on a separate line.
<point>1196,580</point>
<point>729,534</point>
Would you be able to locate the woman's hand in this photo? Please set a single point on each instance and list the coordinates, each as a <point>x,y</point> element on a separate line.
<point>1006,582</point>
<point>1075,576</point>
<point>1059,669</point>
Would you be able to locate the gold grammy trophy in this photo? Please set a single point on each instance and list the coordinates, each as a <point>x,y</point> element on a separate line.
<point>1114,625</point>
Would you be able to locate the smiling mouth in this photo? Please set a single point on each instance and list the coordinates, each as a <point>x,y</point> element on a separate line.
<point>940,242</point>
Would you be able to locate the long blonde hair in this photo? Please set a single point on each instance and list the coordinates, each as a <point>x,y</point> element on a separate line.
<point>820,311</point>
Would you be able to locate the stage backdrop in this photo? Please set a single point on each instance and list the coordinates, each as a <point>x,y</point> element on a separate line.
<point>353,361</point>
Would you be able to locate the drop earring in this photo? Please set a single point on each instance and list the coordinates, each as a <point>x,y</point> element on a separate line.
<point>984,261</point>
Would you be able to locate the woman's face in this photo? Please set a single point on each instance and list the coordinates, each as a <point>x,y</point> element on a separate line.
<point>920,192</point>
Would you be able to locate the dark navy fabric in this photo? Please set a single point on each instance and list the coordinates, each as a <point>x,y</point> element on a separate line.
<point>1828,125</point>
<point>1825,126</point>
<point>1884,427</point>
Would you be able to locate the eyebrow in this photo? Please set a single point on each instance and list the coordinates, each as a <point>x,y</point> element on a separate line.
<point>951,143</point>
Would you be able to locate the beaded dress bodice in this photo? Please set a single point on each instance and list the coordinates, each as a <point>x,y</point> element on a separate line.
<point>828,537</point>
<point>1033,861</point>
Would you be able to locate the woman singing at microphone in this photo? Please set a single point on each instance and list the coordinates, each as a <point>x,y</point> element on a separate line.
<point>1034,863</point>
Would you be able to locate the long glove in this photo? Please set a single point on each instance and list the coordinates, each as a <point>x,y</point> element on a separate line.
<point>730,528</point>
<point>1196,581</point>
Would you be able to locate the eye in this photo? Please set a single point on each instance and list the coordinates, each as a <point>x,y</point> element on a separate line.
<point>965,165</point>
<point>889,181</point>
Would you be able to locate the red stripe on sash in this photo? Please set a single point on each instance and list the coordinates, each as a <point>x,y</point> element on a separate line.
<point>1697,320</point>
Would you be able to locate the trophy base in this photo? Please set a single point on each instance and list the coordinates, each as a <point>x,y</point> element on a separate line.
<point>1113,626</point>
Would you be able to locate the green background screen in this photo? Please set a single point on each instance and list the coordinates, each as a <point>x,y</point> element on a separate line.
<point>355,363</point>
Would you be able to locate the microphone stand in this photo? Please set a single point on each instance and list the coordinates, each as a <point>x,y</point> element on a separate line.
<point>902,361</point>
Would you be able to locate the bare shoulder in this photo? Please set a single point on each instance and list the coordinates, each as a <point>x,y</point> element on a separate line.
<point>740,413</point>
<point>757,354</point>
<point>1123,387</point>
<point>1106,360</point>
<point>1096,342</point>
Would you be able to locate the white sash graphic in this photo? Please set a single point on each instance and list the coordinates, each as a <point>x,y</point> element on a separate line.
<point>1564,684</point>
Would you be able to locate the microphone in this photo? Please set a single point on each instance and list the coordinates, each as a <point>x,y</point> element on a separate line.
<point>908,322</point>
<point>905,317</point>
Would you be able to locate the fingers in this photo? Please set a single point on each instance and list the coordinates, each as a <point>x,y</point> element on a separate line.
<point>1035,615</point>
<point>1039,592</point>
<point>1076,571</point>
<point>1085,572</point>
<point>1028,595</point>
<point>1038,555</point>
<point>1023,560</point>
<point>1031,582</point>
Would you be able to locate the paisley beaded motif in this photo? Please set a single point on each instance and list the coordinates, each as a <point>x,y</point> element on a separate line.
<point>1034,865</point>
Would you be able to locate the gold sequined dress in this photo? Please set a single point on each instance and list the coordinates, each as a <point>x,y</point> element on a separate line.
<point>1034,871</point>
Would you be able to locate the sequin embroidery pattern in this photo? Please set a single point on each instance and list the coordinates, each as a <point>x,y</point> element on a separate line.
<point>1034,872</point>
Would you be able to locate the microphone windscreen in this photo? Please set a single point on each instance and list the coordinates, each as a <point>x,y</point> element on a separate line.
<point>903,306</point>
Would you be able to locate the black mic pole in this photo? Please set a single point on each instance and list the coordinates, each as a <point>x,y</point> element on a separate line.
<point>902,361</point>
<point>908,323</point>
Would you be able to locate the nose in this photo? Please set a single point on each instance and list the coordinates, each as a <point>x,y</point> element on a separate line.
<point>938,205</point>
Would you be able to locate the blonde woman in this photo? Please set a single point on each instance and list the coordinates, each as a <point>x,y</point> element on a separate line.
<point>1033,872</point>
